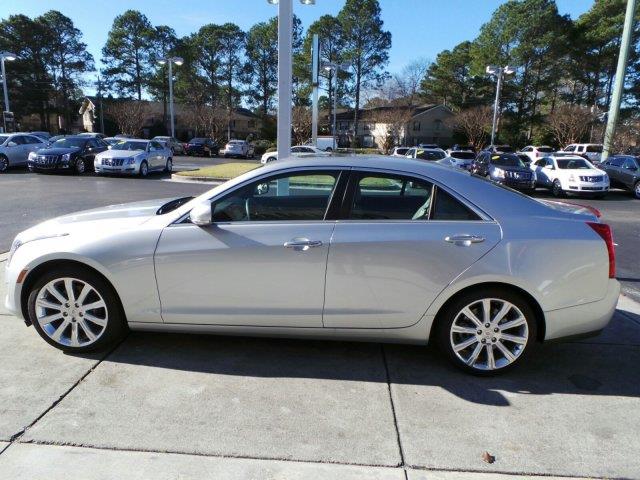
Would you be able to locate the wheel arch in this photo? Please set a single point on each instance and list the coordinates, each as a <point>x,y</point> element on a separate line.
<point>533,303</point>
<point>35,273</point>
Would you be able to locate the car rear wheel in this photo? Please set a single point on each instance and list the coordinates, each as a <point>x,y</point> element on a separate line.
<point>487,331</point>
<point>4,163</point>
<point>75,310</point>
<point>636,189</point>
<point>144,169</point>
<point>556,189</point>
<point>271,159</point>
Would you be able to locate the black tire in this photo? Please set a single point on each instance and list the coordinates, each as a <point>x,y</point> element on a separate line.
<point>169,166</point>
<point>116,327</point>
<point>144,169</point>
<point>556,189</point>
<point>636,190</point>
<point>4,163</point>
<point>79,168</point>
<point>446,318</point>
<point>271,159</point>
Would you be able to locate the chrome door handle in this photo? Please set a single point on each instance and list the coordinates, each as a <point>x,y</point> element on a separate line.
<point>463,240</point>
<point>302,244</point>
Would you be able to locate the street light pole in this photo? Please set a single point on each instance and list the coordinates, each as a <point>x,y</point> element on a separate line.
<point>499,72</point>
<point>335,67</point>
<point>614,108</point>
<point>6,56</point>
<point>170,61</point>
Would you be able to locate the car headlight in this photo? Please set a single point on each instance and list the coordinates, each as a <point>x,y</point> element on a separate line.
<point>32,155</point>
<point>16,244</point>
<point>131,161</point>
<point>66,157</point>
<point>498,173</point>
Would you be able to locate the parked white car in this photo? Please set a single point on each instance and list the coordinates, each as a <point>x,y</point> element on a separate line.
<point>432,154</point>
<point>536,152</point>
<point>324,143</point>
<point>133,156</point>
<point>565,174</point>
<point>16,147</point>
<point>238,149</point>
<point>297,151</point>
<point>593,151</point>
<point>459,159</point>
<point>400,151</point>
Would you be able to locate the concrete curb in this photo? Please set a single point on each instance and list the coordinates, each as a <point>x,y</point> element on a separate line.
<point>207,180</point>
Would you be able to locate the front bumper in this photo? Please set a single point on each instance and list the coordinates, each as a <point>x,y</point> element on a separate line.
<point>49,167</point>
<point>586,187</point>
<point>516,184</point>
<point>582,319</point>
<point>117,170</point>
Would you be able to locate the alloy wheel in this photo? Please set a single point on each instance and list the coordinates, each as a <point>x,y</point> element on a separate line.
<point>71,312</point>
<point>169,166</point>
<point>636,189</point>
<point>4,164</point>
<point>557,188</point>
<point>144,169</point>
<point>489,334</point>
<point>80,166</point>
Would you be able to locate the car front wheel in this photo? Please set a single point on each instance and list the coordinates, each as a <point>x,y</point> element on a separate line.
<point>169,166</point>
<point>4,163</point>
<point>75,310</point>
<point>556,189</point>
<point>636,189</point>
<point>144,169</point>
<point>488,331</point>
<point>79,166</point>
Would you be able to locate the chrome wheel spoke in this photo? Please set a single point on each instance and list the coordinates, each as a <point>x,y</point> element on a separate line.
<point>49,318</point>
<point>94,305</point>
<point>486,310</point>
<point>83,294</point>
<point>474,355</point>
<point>51,289</point>
<point>74,334</point>
<point>460,329</point>
<point>514,338</point>
<point>471,316</point>
<point>43,303</point>
<point>505,351</point>
<point>98,321</point>
<point>57,334</point>
<point>87,330</point>
<point>506,307</point>
<point>68,286</point>
<point>513,323</point>
<point>465,344</point>
<point>491,360</point>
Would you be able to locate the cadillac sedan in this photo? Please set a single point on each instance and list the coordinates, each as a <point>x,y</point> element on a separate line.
<point>134,156</point>
<point>353,248</point>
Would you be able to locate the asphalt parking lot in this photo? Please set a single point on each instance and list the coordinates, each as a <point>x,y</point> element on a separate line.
<point>177,406</point>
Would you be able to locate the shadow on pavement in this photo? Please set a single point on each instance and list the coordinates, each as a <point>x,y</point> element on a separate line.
<point>606,365</point>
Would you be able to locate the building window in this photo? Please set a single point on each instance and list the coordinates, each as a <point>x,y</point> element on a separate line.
<point>437,125</point>
<point>252,124</point>
<point>416,126</point>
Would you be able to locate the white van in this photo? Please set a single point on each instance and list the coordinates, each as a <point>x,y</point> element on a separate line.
<point>325,142</point>
<point>593,151</point>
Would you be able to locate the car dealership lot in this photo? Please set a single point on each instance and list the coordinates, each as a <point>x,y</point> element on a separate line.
<point>170,405</point>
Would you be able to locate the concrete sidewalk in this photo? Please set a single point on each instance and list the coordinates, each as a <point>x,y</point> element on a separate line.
<point>193,407</point>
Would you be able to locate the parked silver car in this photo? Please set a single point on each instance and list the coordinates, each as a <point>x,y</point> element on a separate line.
<point>237,148</point>
<point>359,248</point>
<point>172,143</point>
<point>16,147</point>
<point>133,156</point>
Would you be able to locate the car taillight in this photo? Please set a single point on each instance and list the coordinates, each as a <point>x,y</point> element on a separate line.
<point>606,234</point>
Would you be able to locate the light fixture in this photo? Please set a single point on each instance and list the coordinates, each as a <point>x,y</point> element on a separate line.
<point>303,2</point>
<point>8,56</point>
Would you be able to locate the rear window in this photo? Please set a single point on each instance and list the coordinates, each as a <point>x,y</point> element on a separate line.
<point>545,149</point>
<point>430,155</point>
<point>594,148</point>
<point>504,148</point>
<point>446,207</point>
<point>463,155</point>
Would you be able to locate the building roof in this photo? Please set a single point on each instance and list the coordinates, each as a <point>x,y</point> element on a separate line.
<point>365,113</point>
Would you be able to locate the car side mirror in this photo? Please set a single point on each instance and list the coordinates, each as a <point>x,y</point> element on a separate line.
<point>201,214</point>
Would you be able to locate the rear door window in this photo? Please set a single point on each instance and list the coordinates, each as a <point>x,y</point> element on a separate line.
<point>447,207</point>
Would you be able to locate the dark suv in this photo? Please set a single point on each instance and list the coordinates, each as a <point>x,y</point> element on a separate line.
<point>72,154</point>
<point>624,172</point>
<point>505,168</point>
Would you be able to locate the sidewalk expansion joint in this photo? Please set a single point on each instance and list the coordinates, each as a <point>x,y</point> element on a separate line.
<point>393,407</point>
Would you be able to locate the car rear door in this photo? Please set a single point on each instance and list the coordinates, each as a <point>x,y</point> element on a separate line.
<point>400,241</point>
<point>261,263</point>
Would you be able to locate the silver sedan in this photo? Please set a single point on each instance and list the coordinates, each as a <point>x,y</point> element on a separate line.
<point>356,248</point>
<point>134,156</point>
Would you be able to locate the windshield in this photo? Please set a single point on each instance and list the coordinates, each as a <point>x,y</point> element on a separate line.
<point>463,155</point>
<point>173,204</point>
<point>430,155</point>
<point>545,149</point>
<point>129,145</point>
<point>197,140</point>
<point>573,164</point>
<point>68,143</point>
<point>508,160</point>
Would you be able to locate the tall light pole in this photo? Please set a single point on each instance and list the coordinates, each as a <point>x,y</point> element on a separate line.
<point>285,72</point>
<point>170,61</point>
<point>10,57</point>
<point>499,72</point>
<point>335,67</point>
<point>614,108</point>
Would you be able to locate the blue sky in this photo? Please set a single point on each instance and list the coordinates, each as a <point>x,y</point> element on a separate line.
<point>420,28</point>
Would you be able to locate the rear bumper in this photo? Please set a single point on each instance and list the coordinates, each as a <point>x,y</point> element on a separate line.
<point>582,319</point>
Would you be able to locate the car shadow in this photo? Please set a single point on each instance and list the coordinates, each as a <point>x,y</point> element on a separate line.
<point>605,365</point>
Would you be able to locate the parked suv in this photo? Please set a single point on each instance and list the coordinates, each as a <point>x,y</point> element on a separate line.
<point>564,174</point>
<point>536,152</point>
<point>592,151</point>
<point>624,172</point>
<point>238,148</point>
<point>505,168</point>
<point>72,154</point>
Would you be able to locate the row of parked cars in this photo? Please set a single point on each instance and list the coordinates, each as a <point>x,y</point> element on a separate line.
<point>574,170</point>
<point>114,155</point>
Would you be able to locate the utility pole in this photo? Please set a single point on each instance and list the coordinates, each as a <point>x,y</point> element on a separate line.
<point>614,108</point>
<point>100,104</point>
<point>315,66</point>
<point>499,72</point>
<point>170,61</point>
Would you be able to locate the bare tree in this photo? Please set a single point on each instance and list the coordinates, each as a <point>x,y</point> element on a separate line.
<point>390,125</point>
<point>208,120</point>
<point>570,123</point>
<point>300,124</point>
<point>474,123</point>
<point>129,115</point>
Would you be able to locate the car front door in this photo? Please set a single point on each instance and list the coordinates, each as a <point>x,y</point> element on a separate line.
<point>261,263</point>
<point>401,242</point>
<point>16,150</point>
<point>613,167</point>
<point>629,172</point>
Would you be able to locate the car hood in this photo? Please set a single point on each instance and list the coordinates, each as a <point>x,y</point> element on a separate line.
<point>120,153</point>
<point>109,218</point>
<point>584,172</point>
<point>58,151</point>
